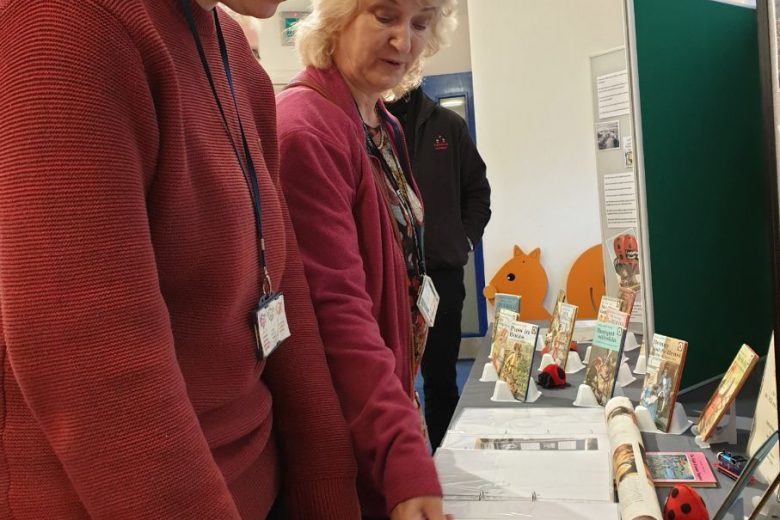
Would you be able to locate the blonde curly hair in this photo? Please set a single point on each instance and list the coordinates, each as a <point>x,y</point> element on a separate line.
<point>316,34</point>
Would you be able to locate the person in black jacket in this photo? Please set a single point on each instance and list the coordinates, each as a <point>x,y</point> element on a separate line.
<point>451,176</point>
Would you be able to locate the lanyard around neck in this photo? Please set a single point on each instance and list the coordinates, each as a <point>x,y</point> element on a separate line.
<point>247,165</point>
<point>374,150</point>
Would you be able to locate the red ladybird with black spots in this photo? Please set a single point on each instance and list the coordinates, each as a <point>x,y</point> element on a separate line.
<point>683,503</point>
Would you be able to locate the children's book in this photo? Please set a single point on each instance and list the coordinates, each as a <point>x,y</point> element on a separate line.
<point>727,391</point>
<point>504,321</point>
<point>610,302</point>
<point>614,316</point>
<point>561,330</point>
<point>602,371</point>
<point>765,419</point>
<point>509,302</point>
<point>518,356</point>
<point>665,362</point>
<point>690,468</point>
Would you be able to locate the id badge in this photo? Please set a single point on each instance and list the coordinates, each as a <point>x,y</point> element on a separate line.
<point>270,323</point>
<point>428,300</point>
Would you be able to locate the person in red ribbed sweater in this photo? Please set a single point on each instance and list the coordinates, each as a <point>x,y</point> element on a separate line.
<point>129,266</point>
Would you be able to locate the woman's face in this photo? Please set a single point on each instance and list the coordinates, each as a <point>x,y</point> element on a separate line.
<point>376,49</point>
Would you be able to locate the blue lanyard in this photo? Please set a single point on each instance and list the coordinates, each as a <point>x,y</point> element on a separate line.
<point>248,167</point>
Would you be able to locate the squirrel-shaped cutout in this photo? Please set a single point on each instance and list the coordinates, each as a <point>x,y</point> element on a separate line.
<point>524,275</point>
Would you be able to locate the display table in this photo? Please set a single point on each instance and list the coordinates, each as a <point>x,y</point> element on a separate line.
<point>476,394</point>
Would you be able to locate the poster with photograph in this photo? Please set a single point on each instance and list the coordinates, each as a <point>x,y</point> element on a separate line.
<point>608,135</point>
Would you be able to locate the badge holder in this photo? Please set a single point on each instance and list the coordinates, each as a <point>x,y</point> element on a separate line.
<point>489,374</point>
<point>725,432</point>
<point>680,421</point>
<point>270,323</point>
<point>573,363</point>
<point>547,360</point>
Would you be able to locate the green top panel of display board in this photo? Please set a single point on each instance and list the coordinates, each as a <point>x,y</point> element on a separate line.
<point>707,205</point>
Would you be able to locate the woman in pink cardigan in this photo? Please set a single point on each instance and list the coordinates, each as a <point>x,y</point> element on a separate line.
<point>358,218</point>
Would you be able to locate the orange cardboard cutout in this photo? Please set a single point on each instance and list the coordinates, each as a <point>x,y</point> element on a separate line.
<point>586,285</point>
<point>524,275</point>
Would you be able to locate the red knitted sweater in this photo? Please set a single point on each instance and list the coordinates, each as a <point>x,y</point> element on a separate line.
<point>129,386</point>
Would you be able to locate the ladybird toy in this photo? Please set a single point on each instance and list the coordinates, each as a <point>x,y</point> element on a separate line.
<point>683,503</point>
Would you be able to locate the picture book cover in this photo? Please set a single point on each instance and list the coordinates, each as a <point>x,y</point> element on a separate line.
<point>765,419</point>
<point>610,302</point>
<point>504,321</point>
<point>727,391</point>
<point>628,296</point>
<point>553,320</point>
<point>690,468</point>
<point>510,302</point>
<point>504,301</point>
<point>559,336</point>
<point>518,357</point>
<point>665,361</point>
<point>614,316</point>
<point>605,353</point>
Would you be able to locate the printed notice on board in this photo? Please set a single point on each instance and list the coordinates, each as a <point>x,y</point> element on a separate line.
<point>620,200</point>
<point>612,93</point>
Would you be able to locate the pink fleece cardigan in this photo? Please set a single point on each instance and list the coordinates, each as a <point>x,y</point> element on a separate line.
<point>358,283</point>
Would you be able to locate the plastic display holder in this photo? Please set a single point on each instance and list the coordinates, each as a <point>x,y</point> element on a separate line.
<point>631,342</point>
<point>680,421</point>
<point>502,393</point>
<point>643,420</point>
<point>641,365</point>
<point>533,394</point>
<point>725,432</point>
<point>586,359</point>
<point>573,363</point>
<point>770,510</point>
<point>625,377</point>
<point>547,359</point>
<point>585,397</point>
<point>489,373</point>
<point>539,342</point>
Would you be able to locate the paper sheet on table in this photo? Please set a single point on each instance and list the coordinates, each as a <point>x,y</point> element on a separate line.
<point>530,421</point>
<point>527,510</point>
<point>525,475</point>
<point>583,331</point>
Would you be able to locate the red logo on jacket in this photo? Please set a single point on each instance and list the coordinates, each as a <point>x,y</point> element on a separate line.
<point>440,143</point>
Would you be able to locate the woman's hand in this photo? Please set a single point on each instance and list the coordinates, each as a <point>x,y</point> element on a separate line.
<point>420,508</point>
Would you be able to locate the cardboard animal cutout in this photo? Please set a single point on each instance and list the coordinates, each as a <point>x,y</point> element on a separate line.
<point>524,275</point>
<point>585,285</point>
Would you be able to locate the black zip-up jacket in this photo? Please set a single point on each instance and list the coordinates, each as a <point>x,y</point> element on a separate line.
<point>451,176</point>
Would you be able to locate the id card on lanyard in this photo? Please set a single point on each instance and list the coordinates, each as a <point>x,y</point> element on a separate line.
<point>269,318</point>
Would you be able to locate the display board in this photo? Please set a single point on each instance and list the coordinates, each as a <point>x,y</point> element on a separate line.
<point>708,213</point>
<point>616,178</point>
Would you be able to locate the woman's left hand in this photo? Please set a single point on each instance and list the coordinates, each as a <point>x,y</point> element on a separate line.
<point>420,508</point>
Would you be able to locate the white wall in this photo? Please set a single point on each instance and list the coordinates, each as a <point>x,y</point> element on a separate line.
<point>532,97</point>
<point>281,62</point>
